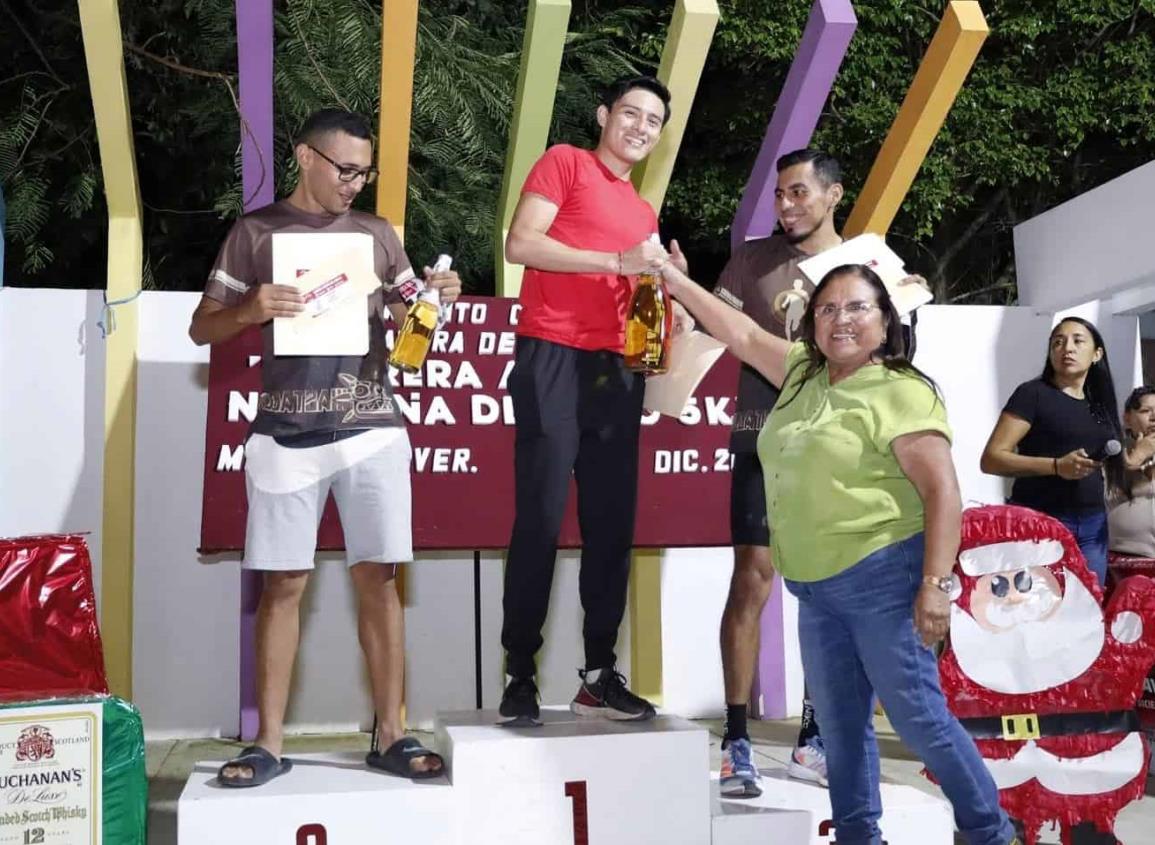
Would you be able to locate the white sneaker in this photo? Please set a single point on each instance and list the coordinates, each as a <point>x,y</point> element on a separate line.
<point>808,762</point>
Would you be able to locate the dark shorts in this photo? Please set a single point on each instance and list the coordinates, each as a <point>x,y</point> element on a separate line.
<point>749,525</point>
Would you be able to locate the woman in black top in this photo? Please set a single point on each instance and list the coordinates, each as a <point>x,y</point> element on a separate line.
<point>1051,436</point>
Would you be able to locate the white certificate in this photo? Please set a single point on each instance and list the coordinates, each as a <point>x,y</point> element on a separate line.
<point>334,323</point>
<point>871,250</point>
<point>692,354</point>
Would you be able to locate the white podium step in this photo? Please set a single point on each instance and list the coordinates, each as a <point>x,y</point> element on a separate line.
<point>327,799</point>
<point>738,823</point>
<point>909,816</point>
<point>577,780</point>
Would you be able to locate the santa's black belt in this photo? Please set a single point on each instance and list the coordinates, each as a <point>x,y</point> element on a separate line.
<point>1033,726</point>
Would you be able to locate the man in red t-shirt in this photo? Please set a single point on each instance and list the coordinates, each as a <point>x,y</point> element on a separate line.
<point>581,230</point>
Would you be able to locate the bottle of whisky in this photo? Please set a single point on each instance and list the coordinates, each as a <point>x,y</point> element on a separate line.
<point>412,343</point>
<point>649,324</point>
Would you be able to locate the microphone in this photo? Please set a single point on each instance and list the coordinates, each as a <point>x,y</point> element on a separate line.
<point>1108,450</point>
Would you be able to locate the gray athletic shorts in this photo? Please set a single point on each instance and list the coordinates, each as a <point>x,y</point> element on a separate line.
<point>287,487</point>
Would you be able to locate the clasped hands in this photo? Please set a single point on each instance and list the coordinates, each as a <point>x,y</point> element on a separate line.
<point>650,257</point>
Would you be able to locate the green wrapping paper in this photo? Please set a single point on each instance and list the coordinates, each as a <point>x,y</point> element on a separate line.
<point>124,798</point>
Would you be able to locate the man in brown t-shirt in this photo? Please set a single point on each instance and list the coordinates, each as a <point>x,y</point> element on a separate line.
<point>325,424</point>
<point>763,280</point>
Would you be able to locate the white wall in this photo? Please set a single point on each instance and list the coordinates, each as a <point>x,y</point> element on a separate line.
<point>979,354</point>
<point>52,422</point>
<point>1091,247</point>
<point>186,605</point>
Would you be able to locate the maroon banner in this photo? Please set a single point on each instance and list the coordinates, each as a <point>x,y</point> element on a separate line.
<point>460,421</point>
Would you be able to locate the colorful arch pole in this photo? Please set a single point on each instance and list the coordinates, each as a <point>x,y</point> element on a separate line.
<point>541,52</point>
<point>683,57</point>
<point>828,33</point>
<point>104,56</point>
<point>255,68</point>
<point>398,55</point>
<point>944,68</point>
<point>825,40</point>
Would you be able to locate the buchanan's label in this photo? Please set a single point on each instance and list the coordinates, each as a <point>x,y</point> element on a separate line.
<point>50,767</point>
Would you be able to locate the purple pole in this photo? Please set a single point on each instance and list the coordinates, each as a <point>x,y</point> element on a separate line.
<point>255,66</point>
<point>824,43</point>
<point>828,32</point>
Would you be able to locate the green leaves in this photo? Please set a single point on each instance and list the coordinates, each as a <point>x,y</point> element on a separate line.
<point>1061,99</point>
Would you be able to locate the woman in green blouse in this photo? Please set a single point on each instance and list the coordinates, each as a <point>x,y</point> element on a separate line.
<point>865,513</point>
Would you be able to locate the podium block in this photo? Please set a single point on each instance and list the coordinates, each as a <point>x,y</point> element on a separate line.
<point>578,781</point>
<point>737,823</point>
<point>909,816</point>
<point>327,799</point>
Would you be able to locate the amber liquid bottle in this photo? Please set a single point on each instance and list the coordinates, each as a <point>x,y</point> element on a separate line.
<point>649,325</point>
<point>416,336</point>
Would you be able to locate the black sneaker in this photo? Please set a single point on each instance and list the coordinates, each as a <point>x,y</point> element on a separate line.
<point>519,704</point>
<point>608,698</point>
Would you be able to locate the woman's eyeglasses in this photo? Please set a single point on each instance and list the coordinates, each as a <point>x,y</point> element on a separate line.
<point>853,310</point>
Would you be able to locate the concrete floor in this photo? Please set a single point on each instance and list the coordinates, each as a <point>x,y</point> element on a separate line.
<point>170,763</point>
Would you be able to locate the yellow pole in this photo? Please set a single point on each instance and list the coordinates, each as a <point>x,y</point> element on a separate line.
<point>940,77</point>
<point>683,57</point>
<point>100,29</point>
<point>541,52</point>
<point>398,55</point>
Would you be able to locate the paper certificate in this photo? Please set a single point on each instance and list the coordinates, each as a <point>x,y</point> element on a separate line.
<point>692,354</point>
<point>334,273</point>
<point>871,250</point>
<point>50,775</point>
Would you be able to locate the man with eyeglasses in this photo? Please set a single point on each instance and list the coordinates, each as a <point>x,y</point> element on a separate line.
<point>324,424</point>
<point>762,279</point>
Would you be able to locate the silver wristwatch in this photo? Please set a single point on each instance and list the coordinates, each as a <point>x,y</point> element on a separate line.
<point>942,582</point>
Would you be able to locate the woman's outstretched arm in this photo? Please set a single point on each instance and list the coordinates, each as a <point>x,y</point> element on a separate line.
<point>755,346</point>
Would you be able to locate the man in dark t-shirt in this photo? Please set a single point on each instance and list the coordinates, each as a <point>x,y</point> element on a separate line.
<point>763,280</point>
<point>325,424</point>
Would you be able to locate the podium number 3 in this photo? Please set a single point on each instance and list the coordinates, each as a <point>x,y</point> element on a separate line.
<point>576,790</point>
<point>312,834</point>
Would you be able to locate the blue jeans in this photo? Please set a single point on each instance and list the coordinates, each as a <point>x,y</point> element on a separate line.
<point>1090,532</point>
<point>858,638</point>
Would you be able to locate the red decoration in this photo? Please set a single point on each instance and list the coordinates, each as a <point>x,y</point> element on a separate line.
<point>49,639</point>
<point>1055,776</point>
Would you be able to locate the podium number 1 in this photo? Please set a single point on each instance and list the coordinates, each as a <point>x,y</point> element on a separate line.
<point>576,790</point>
<point>312,834</point>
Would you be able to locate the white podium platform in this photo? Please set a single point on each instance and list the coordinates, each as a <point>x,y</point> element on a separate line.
<point>327,799</point>
<point>572,780</point>
<point>578,780</point>
<point>736,822</point>
<point>909,816</point>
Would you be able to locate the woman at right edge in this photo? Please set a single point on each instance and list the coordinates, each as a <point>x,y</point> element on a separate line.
<point>865,516</point>
<point>1052,434</point>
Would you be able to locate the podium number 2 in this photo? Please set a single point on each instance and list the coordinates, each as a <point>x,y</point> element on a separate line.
<point>576,790</point>
<point>312,834</point>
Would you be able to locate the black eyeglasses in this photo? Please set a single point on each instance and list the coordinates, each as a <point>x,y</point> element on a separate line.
<point>347,173</point>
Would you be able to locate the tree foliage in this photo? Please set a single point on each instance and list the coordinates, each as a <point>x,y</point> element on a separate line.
<point>1059,101</point>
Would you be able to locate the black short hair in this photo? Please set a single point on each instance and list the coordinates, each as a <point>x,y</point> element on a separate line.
<point>826,167</point>
<point>324,121</point>
<point>627,84</point>
<point>1135,400</point>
